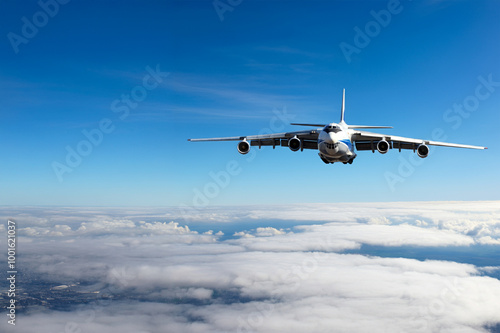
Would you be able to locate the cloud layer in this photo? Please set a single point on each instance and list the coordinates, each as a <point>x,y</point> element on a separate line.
<point>150,273</point>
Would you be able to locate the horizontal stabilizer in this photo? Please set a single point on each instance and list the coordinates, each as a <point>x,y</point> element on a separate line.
<point>315,125</point>
<point>364,126</point>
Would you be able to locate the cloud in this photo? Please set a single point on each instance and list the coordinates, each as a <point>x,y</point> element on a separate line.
<point>228,94</point>
<point>269,231</point>
<point>165,228</point>
<point>260,232</point>
<point>145,272</point>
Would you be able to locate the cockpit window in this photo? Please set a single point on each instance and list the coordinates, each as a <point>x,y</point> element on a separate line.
<point>331,128</point>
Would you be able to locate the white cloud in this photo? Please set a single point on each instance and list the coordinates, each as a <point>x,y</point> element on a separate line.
<point>269,231</point>
<point>271,278</point>
<point>243,234</point>
<point>165,228</point>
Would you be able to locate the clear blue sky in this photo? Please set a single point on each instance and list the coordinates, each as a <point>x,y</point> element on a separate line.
<point>65,68</point>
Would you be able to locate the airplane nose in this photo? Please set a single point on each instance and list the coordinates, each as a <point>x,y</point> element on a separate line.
<point>330,142</point>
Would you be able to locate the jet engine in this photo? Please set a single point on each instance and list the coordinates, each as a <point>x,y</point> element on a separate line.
<point>294,144</point>
<point>422,151</point>
<point>382,146</point>
<point>243,147</point>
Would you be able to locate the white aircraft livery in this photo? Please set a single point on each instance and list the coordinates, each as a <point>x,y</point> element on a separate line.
<point>336,142</point>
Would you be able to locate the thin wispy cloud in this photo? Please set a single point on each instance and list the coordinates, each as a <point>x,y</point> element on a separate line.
<point>284,49</point>
<point>226,90</point>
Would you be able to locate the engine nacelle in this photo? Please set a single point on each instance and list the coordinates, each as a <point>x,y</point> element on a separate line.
<point>294,144</point>
<point>383,146</point>
<point>422,151</point>
<point>243,147</point>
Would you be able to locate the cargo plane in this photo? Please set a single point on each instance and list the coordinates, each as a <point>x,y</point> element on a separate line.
<point>336,142</point>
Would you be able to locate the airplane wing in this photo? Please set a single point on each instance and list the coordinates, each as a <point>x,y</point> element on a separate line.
<point>368,141</point>
<point>309,139</point>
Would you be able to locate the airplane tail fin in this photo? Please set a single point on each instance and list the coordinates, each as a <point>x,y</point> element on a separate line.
<point>343,107</point>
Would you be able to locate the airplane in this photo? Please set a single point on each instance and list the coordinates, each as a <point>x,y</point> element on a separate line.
<point>336,142</point>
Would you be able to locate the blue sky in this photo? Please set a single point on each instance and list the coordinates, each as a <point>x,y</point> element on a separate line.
<point>233,77</point>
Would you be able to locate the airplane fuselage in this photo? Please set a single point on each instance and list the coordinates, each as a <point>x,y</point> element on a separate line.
<point>335,144</point>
